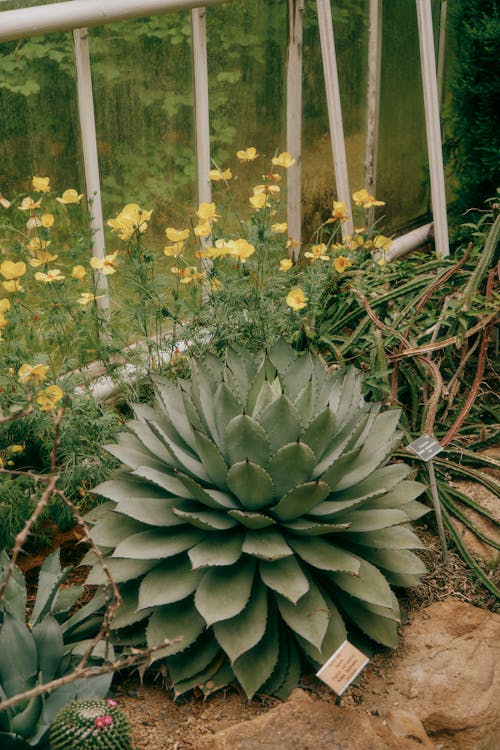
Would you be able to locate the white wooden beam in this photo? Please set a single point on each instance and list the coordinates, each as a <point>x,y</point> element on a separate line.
<point>433,127</point>
<point>65,16</point>
<point>373,100</point>
<point>294,122</point>
<point>443,16</point>
<point>334,108</point>
<point>90,156</point>
<point>202,118</point>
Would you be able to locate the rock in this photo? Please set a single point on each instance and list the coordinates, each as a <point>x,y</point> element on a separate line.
<point>304,723</point>
<point>447,673</point>
<point>405,724</point>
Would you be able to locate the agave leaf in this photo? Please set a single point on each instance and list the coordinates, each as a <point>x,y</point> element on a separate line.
<point>264,373</point>
<point>403,493</point>
<point>168,583</point>
<point>66,599</point>
<point>189,408</point>
<point>128,612</point>
<point>185,462</point>
<point>123,489</point>
<point>266,544</point>
<point>281,422</point>
<point>308,617</point>
<point>281,355</point>
<point>251,484</point>
<point>114,529</point>
<point>252,520</point>
<point>305,403</point>
<point>236,367</point>
<point>322,384</point>
<point>241,633</point>
<point>213,367</point>
<point>15,593</point>
<point>369,584</point>
<point>371,520</point>
<point>335,635</point>
<point>194,660</point>
<point>255,666</point>
<point>300,500</point>
<point>305,527</point>
<point>361,435</point>
<point>381,481</point>
<point>82,614</point>
<point>285,576</point>
<point>217,549</point>
<point>18,672</point>
<point>287,671</point>
<point>223,593</point>
<point>320,432</point>
<point>49,582</point>
<point>147,437</point>
<point>337,444</point>
<point>157,545</point>
<point>203,397</point>
<point>324,555</point>
<point>394,560</point>
<point>206,677</point>
<point>174,621</point>
<point>226,407</point>
<point>130,451</point>
<point>396,537</point>
<point>384,630</point>
<point>24,721</point>
<point>244,439</point>
<point>338,469</point>
<point>168,396</point>
<point>120,570</point>
<point>291,466</point>
<point>346,397</point>
<point>297,375</point>
<point>159,478</point>
<point>211,498</point>
<point>50,647</point>
<point>209,520</point>
<point>270,391</point>
<point>224,676</point>
<point>154,511</point>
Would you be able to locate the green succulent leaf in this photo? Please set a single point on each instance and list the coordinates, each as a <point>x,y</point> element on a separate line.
<point>157,545</point>
<point>255,666</point>
<point>335,635</point>
<point>194,660</point>
<point>154,511</point>
<point>212,460</point>
<point>319,433</point>
<point>252,485</point>
<point>148,438</point>
<point>368,584</point>
<point>245,439</point>
<point>209,675</point>
<point>210,520</point>
<point>286,577</point>
<point>224,592</point>
<point>114,528</point>
<point>266,544</point>
<point>281,422</point>
<point>300,500</point>
<point>297,375</point>
<point>23,722</point>
<point>281,355</point>
<point>211,498</point>
<point>291,466</point>
<point>120,570</point>
<point>178,622</point>
<point>371,520</point>
<point>252,520</point>
<point>287,671</point>
<point>308,617</point>
<point>50,647</point>
<point>161,479</point>
<point>18,672</point>
<point>305,527</point>
<point>396,537</point>
<point>173,406</point>
<point>226,407</point>
<point>128,612</point>
<point>324,555</point>
<point>168,583</point>
<point>241,633</point>
<point>384,630</point>
<point>217,550</point>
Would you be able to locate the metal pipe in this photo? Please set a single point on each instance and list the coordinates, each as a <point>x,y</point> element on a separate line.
<point>65,16</point>
<point>410,241</point>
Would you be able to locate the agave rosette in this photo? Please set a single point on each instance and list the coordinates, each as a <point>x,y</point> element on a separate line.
<point>257,514</point>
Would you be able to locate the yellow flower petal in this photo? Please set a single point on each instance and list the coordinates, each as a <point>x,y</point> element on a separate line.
<point>279,228</point>
<point>28,372</point>
<point>217,175</point>
<point>247,154</point>
<point>285,264</point>
<point>341,263</point>
<point>176,235</point>
<point>284,160</point>
<point>70,196</point>
<point>296,299</point>
<point>12,270</point>
<point>41,184</point>
<point>78,272</point>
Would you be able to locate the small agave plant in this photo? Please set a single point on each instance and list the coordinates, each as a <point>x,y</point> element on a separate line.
<point>256,517</point>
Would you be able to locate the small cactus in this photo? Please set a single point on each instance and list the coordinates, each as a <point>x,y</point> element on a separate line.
<point>91,725</point>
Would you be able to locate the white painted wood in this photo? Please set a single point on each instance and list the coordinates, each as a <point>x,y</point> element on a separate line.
<point>334,108</point>
<point>90,157</point>
<point>294,122</point>
<point>443,16</point>
<point>65,16</point>
<point>406,243</point>
<point>433,128</point>
<point>373,101</point>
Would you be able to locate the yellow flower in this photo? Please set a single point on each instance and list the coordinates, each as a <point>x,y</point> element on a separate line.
<point>3,321</point>
<point>317,252</point>
<point>12,286</point>
<point>41,258</point>
<point>292,243</point>
<point>130,220</point>
<point>206,212</point>
<point>11,270</point>
<point>70,196</point>
<point>36,244</point>
<point>28,204</point>
<point>48,399</point>
<point>339,211</point>
<point>259,201</point>
<point>296,299</point>
<point>78,272</point>
<point>341,263</point>
<point>106,265</point>
<point>273,190</point>
<point>382,243</point>
<point>187,275</point>
<point>87,297</point>
<point>15,448</point>
<point>273,176</point>
<point>247,154</point>
<point>176,235</point>
<point>285,264</point>
<point>284,160</point>
<point>4,202</point>
<point>215,284</point>
<point>279,228</point>
<point>41,184</point>
<point>4,305</point>
<point>216,175</point>
<point>173,251</point>
<point>36,373</point>
<point>54,274</point>
<point>202,229</point>
<point>363,198</point>
<point>47,220</point>
<point>241,249</point>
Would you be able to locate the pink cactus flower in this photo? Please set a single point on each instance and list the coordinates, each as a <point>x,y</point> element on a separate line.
<point>103,721</point>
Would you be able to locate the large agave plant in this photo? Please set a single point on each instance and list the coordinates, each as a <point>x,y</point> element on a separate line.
<point>256,516</point>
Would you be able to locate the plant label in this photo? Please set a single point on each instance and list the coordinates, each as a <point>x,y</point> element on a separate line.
<point>425,447</point>
<point>342,667</point>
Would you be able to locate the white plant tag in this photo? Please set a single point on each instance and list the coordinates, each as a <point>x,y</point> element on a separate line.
<point>425,447</point>
<point>342,667</point>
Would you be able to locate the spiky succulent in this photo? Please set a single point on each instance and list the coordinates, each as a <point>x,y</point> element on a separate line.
<point>257,512</point>
<point>91,725</point>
